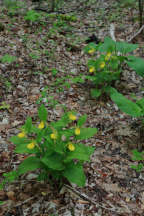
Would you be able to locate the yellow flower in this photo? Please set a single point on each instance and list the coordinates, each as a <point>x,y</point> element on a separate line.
<point>31,145</point>
<point>92,69</point>
<point>108,55</point>
<point>21,135</point>
<point>41,125</point>
<point>71,147</point>
<point>77,131</point>
<point>72,117</point>
<point>91,51</point>
<point>102,64</point>
<point>53,136</point>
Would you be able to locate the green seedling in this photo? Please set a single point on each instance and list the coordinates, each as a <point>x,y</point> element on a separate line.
<point>4,105</point>
<point>138,156</point>
<point>34,56</point>
<point>53,148</point>
<point>32,16</point>
<point>8,59</point>
<point>13,6</point>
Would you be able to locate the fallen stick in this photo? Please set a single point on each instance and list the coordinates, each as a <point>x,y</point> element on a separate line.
<point>112,33</point>
<point>139,31</point>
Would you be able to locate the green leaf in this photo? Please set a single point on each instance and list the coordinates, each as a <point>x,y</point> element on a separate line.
<point>10,176</point>
<point>7,59</point>
<point>138,167</point>
<point>81,152</point>
<point>137,155</point>
<point>22,149</point>
<point>125,105</point>
<point>53,161</point>
<point>108,45</point>
<point>2,202</point>
<point>29,164</point>
<point>16,140</point>
<point>136,64</point>
<point>95,93</point>
<point>86,133</point>
<point>91,46</point>
<point>42,113</point>
<point>125,47</point>
<point>82,120</point>
<point>74,173</point>
<point>28,125</point>
<point>141,103</point>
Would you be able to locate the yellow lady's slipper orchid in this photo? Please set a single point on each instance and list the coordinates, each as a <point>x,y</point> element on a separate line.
<point>71,147</point>
<point>92,69</point>
<point>102,65</point>
<point>53,136</point>
<point>41,125</point>
<point>108,55</point>
<point>77,131</point>
<point>72,117</point>
<point>31,145</point>
<point>91,51</point>
<point>21,135</point>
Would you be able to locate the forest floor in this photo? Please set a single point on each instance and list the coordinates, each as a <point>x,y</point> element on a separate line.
<point>46,53</point>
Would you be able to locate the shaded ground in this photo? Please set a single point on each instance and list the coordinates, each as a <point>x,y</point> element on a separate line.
<point>45,54</point>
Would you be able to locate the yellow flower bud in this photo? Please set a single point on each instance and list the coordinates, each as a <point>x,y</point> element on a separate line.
<point>21,135</point>
<point>72,117</point>
<point>41,125</point>
<point>77,131</point>
<point>53,136</point>
<point>92,69</point>
<point>102,65</point>
<point>91,51</point>
<point>31,145</point>
<point>108,55</point>
<point>71,147</point>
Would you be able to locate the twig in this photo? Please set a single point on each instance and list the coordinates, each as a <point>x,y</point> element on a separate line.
<point>139,31</point>
<point>112,33</point>
<point>22,203</point>
<point>85,197</point>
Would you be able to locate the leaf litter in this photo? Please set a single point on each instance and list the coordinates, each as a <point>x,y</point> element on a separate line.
<point>112,187</point>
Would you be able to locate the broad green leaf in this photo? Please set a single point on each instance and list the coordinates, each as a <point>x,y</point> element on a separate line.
<point>141,104</point>
<point>42,113</point>
<point>136,64</point>
<point>28,125</point>
<point>16,140</point>
<point>95,93</point>
<point>125,105</point>
<point>125,47</point>
<point>75,174</point>
<point>81,152</point>
<point>82,120</point>
<point>86,133</point>
<point>22,149</point>
<point>108,45</point>
<point>53,161</point>
<point>29,164</point>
